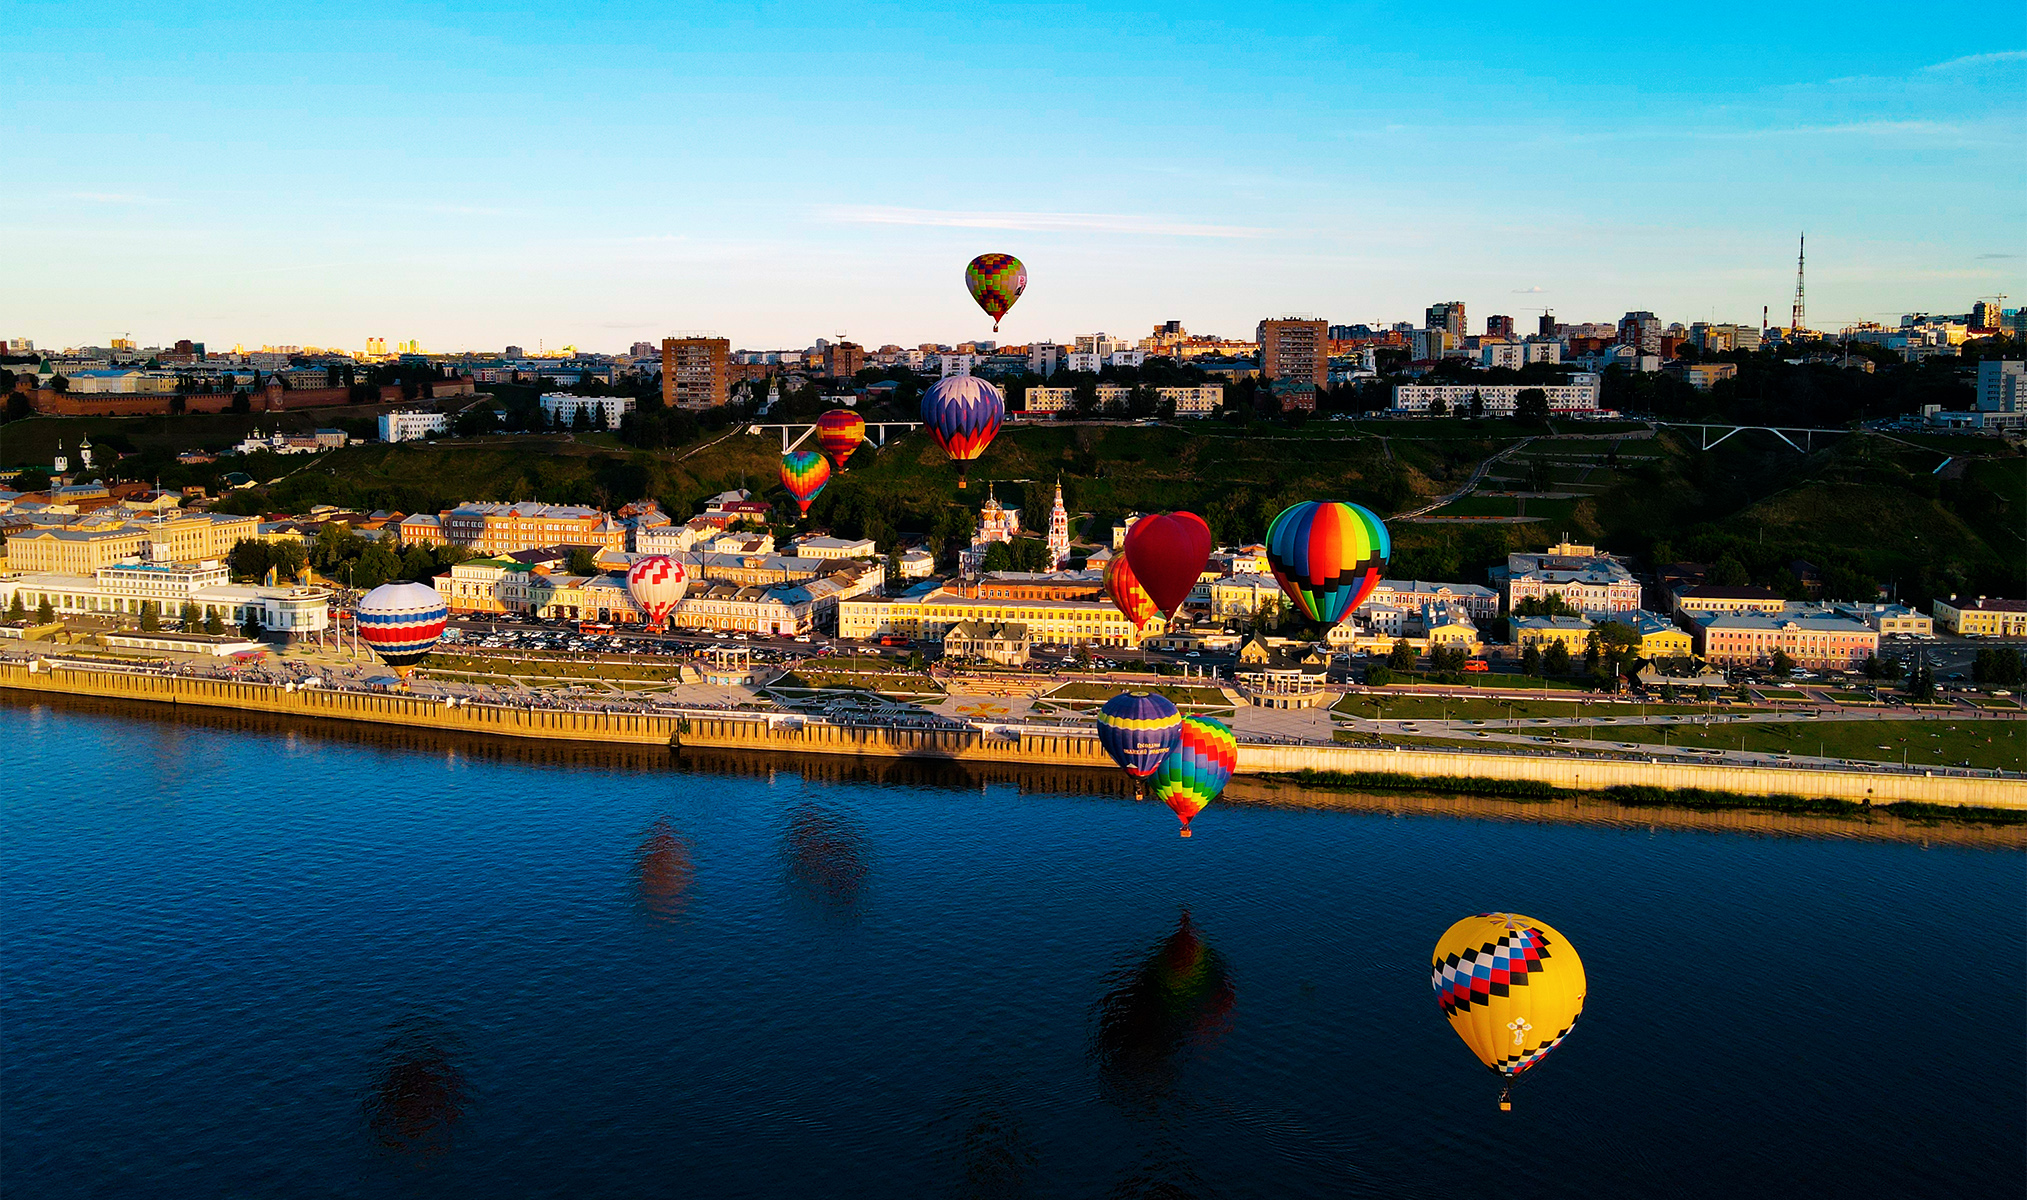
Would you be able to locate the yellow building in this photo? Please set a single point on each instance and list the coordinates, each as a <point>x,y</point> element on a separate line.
<point>1982,617</point>
<point>504,528</point>
<point>930,616</point>
<point>1658,637</point>
<point>74,551</point>
<point>1573,632</point>
<point>194,537</point>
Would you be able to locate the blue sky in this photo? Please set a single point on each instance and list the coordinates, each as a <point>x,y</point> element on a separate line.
<point>475,175</point>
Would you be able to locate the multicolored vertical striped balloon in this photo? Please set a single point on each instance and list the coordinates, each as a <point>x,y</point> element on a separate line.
<point>1197,769</point>
<point>995,281</point>
<point>963,413</point>
<point>1138,729</point>
<point>1327,556</point>
<point>1126,591</point>
<point>839,432</point>
<point>402,622</point>
<point>803,473</point>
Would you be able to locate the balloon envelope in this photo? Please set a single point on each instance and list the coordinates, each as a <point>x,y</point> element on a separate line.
<point>657,584</point>
<point>1168,552</point>
<point>1126,591</point>
<point>1327,556</point>
<point>402,622</point>
<point>1197,769</point>
<point>839,432</point>
<point>1512,987</point>
<point>1138,729</point>
<point>995,281</point>
<point>963,412</point>
<point>803,473</point>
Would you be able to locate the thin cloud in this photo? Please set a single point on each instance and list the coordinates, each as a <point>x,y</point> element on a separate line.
<point>1989,257</point>
<point>1969,61</point>
<point>1529,291</point>
<point>112,198</point>
<point>1032,222</point>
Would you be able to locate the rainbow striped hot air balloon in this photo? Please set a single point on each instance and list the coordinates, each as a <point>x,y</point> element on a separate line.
<point>1197,769</point>
<point>839,432</point>
<point>1138,729</point>
<point>1327,556</point>
<point>963,412</point>
<point>995,281</point>
<point>402,622</point>
<point>803,473</point>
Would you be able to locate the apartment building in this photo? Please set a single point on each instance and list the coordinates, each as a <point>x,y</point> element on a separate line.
<point>695,372</point>
<point>1192,401</point>
<point>1295,349</point>
<point>493,528</point>
<point>931,614</point>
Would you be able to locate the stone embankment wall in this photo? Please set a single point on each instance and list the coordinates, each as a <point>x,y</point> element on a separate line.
<point>792,735</point>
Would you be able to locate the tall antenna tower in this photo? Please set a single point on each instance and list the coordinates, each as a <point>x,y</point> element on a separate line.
<point>1801,255</point>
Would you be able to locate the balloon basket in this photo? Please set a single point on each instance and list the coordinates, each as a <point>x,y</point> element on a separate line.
<point>1506,1106</point>
<point>1185,831</point>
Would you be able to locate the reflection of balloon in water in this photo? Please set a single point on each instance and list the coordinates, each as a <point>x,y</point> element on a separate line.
<point>1168,552</point>
<point>418,1096</point>
<point>827,856</point>
<point>1180,995</point>
<point>402,622</point>
<point>1512,988</point>
<point>1327,556</point>
<point>839,432</point>
<point>662,868</point>
<point>803,473</point>
<point>995,281</point>
<point>1126,591</point>
<point>1197,769</point>
<point>963,412</point>
<point>657,584</point>
<point>1138,729</point>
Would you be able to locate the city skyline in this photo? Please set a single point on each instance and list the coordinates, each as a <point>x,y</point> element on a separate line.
<point>472,181</point>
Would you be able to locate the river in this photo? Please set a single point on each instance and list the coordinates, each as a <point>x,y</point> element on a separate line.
<point>262,959</point>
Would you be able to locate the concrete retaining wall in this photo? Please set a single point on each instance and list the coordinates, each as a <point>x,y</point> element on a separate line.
<point>793,736</point>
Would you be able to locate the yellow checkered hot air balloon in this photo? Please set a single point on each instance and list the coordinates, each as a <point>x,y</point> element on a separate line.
<point>1512,987</point>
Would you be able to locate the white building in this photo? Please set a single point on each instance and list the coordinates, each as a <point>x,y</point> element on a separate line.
<point>1051,399</point>
<point>411,426</point>
<point>811,545</point>
<point>1044,357</point>
<point>2002,386</point>
<point>958,364</point>
<point>121,588</point>
<point>1193,401</point>
<point>562,408</point>
<point>1579,395</point>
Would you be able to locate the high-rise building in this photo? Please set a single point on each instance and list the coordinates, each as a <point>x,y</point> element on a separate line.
<point>1984,315</point>
<point>641,350</point>
<point>1547,326</point>
<point>375,347</point>
<point>1295,349</point>
<point>513,352</point>
<point>1496,326</point>
<point>693,372</point>
<point>1447,316</point>
<point>843,360</point>
<point>1641,330</point>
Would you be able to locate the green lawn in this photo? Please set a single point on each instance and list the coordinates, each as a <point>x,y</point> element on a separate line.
<point>1987,744</point>
<point>1781,694</point>
<point>1425,708</point>
<point>547,668</point>
<point>884,681</point>
<point>1175,694</point>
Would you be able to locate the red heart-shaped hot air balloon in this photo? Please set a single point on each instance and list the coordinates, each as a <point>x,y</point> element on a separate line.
<point>1167,552</point>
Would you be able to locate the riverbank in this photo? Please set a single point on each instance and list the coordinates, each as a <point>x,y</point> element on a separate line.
<point>800,735</point>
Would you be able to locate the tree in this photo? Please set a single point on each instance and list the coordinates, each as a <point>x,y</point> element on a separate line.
<point>1780,663</point>
<point>583,560</point>
<point>1870,668</point>
<point>151,616</point>
<point>1378,676</point>
<point>44,614</point>
<point>212,624</point>
<point>1530,660</point>
<point>1439,407</point>
<point>190,618</point>
<point>1557,660</point>
<point>1921,687</point>
<point>1531,406</point>
<point>1728,572</point>
<point>1402,656</point>
<point>17,611</point>
<point>251,628</point>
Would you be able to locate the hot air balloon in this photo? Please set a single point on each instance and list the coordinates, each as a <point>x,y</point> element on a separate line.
<point>402,621</point>
<point>1126,591</point>
<point>1512,988</point>
<point>657,584</point>
<point>1138,729</point>
<point>803,473</point>
<point>1197,769</point>
<point>995,281</point>
<point>963,413</point>
<point>1168,552</point>
<point>1327,556</point>
<point>839,432</point>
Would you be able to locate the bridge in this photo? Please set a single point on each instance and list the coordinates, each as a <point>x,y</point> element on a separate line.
<point>1779,431</point>
<point>795,435</point>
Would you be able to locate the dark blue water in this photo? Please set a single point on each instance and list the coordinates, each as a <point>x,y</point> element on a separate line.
<point>249,961</point>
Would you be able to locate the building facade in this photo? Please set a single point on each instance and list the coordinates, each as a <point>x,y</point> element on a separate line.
<point>1297,350</point>
<point>694,372</point>
<point>1982,617</point>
